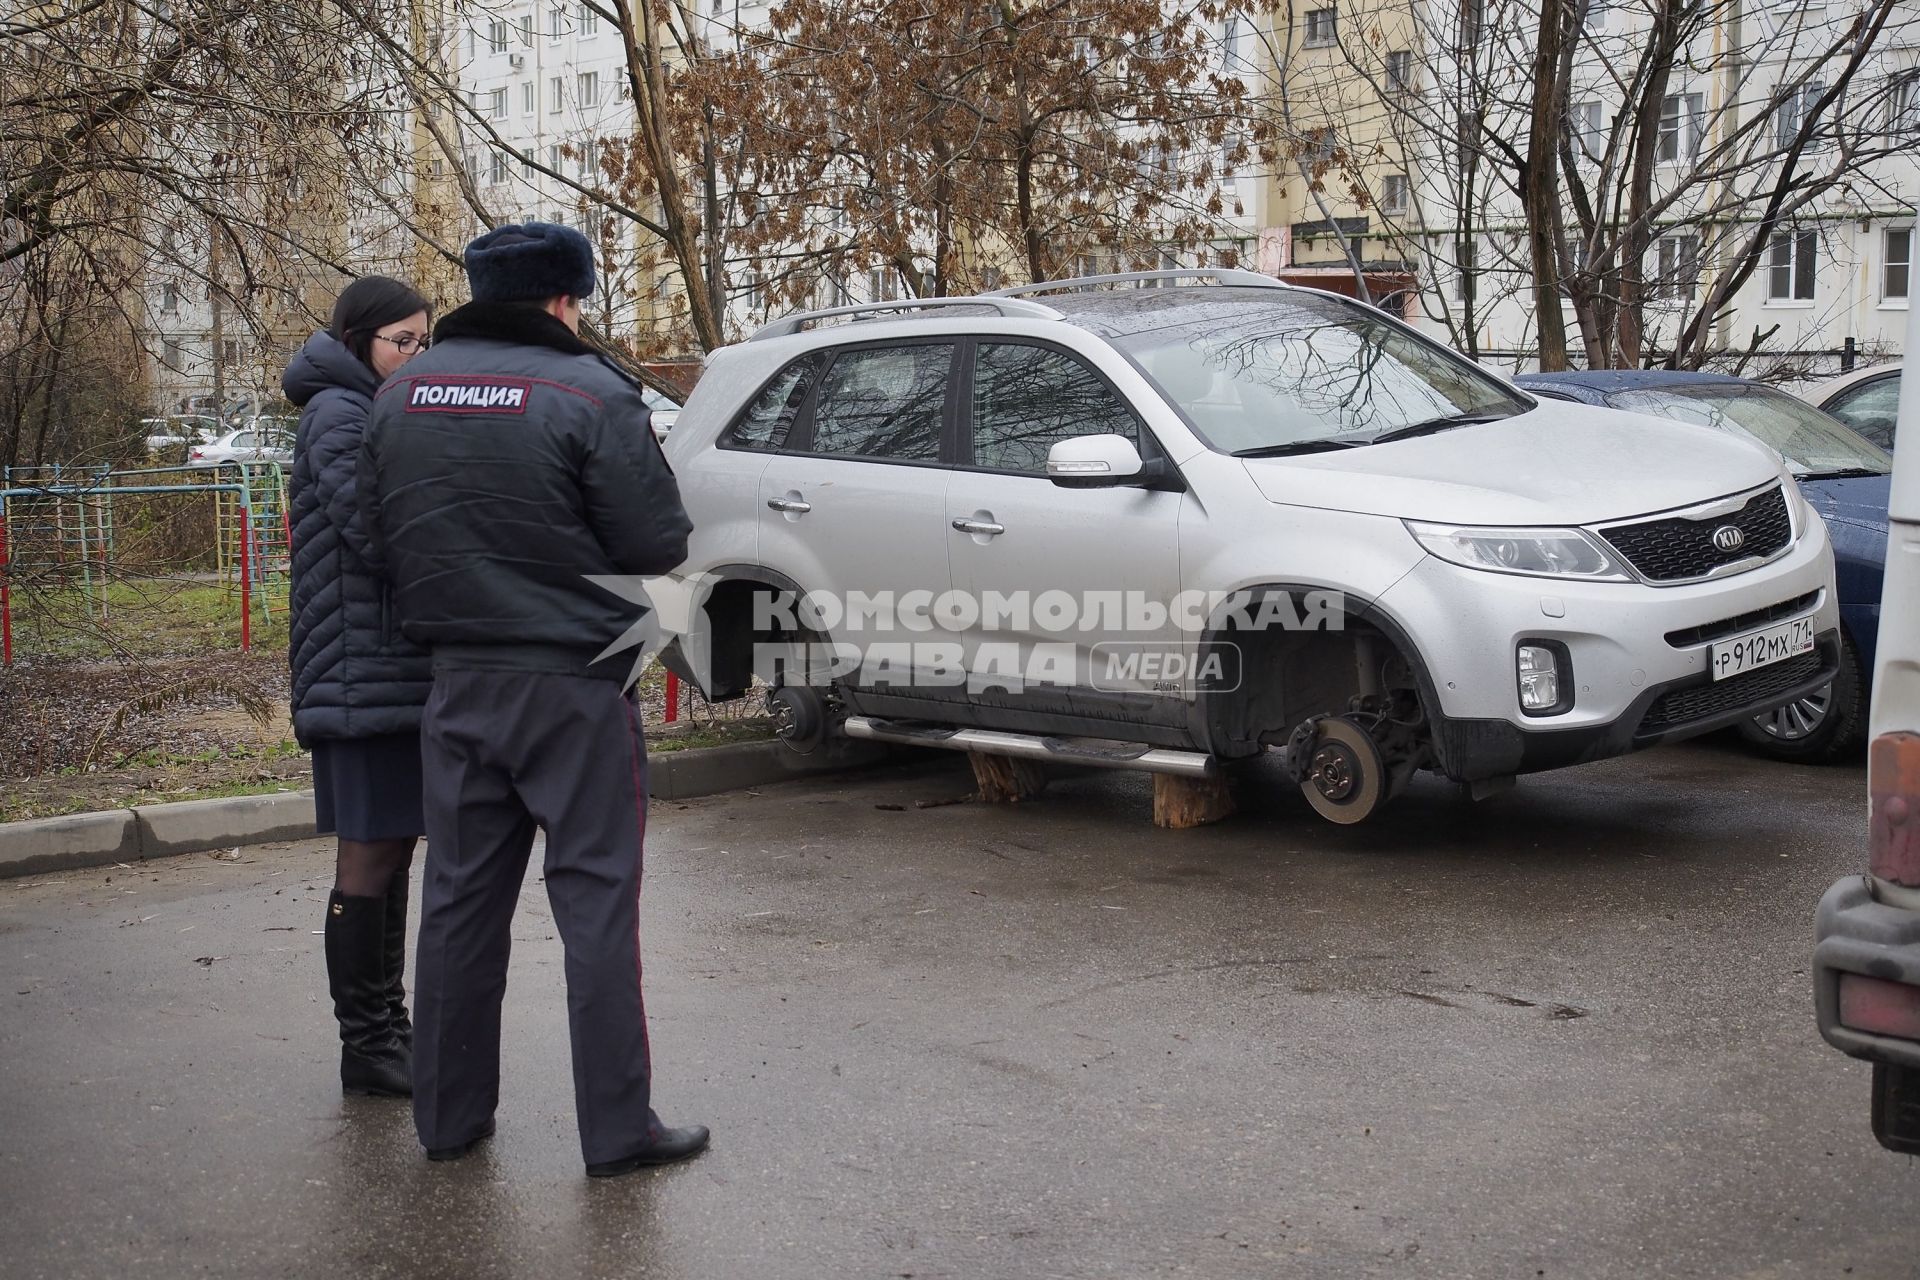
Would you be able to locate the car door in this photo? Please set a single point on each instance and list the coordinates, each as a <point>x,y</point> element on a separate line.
<point>1068,554</point>
<point>851,510</point>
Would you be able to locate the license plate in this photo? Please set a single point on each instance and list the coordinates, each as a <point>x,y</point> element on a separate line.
<point>1758,648</point>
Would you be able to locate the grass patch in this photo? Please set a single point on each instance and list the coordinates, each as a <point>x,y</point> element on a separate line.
<point>689,737</point>
<point>144,619</point>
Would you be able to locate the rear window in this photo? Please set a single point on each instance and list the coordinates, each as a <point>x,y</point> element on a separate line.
<point>769,420</point>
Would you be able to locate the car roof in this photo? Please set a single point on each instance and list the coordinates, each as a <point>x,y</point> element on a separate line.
<point>1609,380</point>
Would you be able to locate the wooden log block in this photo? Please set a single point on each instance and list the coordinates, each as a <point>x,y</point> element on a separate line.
<point>1181,802</point>
<point>1006,779</point>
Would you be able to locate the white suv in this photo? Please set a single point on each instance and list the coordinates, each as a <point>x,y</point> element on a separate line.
<point>1142,522</point>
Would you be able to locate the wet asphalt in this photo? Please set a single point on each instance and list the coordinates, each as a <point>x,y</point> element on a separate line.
<point>1565,1032</point>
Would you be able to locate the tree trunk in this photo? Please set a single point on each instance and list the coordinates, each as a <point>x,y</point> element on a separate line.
<point>1541,185</point>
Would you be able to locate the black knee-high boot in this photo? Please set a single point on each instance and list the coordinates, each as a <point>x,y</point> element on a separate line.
<point>371,1060</point>
<point>396,961</point>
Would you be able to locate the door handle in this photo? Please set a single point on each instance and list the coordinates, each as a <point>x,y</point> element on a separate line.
<point>793,505</point>
<point>979,526</point>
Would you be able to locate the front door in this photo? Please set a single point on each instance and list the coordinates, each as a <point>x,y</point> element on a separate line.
<point>1058,574</point>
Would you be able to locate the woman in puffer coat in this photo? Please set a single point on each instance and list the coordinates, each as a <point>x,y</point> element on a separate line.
<point>358,686</point>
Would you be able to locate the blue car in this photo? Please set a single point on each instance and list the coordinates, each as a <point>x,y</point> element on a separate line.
<point>1844,477</point>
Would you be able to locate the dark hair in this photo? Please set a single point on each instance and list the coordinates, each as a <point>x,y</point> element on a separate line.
<point>367,305</point>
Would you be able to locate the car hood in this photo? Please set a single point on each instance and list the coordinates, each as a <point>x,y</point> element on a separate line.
<point>1860,500</point>
<point>1560,463</point>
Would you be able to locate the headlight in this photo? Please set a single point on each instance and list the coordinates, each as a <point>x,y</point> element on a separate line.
<point>1546,553</point>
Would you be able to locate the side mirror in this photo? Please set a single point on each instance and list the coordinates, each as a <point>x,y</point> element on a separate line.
<point>1094,462</point>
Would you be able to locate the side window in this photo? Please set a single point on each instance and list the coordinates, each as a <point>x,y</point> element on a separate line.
<point>770,417</point>
<point>1026,399</point>
<point>884,402</point>
<point>1871,409</point>
<point>244,440</point>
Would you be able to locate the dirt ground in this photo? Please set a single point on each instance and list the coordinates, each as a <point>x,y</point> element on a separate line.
<point>77,736</point>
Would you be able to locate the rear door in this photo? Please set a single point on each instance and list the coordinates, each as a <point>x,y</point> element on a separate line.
<point>853,508</point>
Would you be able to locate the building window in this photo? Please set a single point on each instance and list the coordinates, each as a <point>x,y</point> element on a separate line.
<point>497,168</point>
<point>881,285</point>
<point>525,24</point>
<point>1677,267</point>
<point>229,352</point>
<point>1898,268</point>
<point>1680,126</point>
<point>1796,107</point>
<point>554,157</point>
<point>556,24</point>
<point>1400,71</point>
<point>1903,103</point>
<point>556,94</point>
<point>497,102</point>
<point>497,36</point>
<point>1587,128</point>
<point>1469,250</point>
<point>1321,28</point>
<point>1393,193</point>
<point>173,353</point>
<point>589,88</point>
<point>589,20</point>
<point>1790,260</point>
<point>589,160</point>
<point>526,97</point>
<point>170,298</point>
<point>1596,15</point>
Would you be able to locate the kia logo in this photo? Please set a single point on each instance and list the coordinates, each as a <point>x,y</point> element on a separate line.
<point>1729,538</point>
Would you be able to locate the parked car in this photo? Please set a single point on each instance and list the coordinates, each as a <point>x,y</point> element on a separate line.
<point>272,442</point>
<point>1505,587</point>
<point>1843,476</point>
<point>1865,400</point>
<point>168,440</point>
<point>665,411</point>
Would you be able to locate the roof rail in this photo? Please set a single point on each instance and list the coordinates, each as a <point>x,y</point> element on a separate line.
<point>1224,275</point>
<point>1005,306</point>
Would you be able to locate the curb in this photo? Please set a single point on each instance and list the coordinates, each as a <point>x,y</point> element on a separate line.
<point>81,840</point>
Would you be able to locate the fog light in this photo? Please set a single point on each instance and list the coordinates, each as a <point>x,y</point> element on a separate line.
<point>1542,678</point>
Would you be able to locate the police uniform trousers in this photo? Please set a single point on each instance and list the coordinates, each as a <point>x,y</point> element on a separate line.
<point>504,752</point>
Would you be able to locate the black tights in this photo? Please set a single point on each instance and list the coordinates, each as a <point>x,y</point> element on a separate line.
<point>364,868</point>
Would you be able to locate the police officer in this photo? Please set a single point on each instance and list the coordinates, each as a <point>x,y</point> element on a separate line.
<point>502,467</point>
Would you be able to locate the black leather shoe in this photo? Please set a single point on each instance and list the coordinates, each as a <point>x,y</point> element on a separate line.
<point>667,1146</point>
<point>463,1148</point>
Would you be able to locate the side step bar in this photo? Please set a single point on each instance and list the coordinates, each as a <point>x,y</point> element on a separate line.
<point>1097,754</point>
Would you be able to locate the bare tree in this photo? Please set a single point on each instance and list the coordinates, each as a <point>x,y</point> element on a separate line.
<point>1638,161</point>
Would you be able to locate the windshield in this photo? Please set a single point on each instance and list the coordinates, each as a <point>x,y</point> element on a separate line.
<point>1813,443</point>
<point>1299,368</point>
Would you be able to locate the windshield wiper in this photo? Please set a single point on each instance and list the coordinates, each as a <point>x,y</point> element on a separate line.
<point>1323,445</point>
<point>1446,422</point>
<point>1839,473</point>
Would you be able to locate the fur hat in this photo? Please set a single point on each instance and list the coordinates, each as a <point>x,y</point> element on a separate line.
<point>530,262</point>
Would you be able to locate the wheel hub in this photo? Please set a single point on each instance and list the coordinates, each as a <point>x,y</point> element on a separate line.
<point>1334,772</point>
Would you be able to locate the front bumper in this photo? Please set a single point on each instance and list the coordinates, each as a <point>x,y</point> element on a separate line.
<point>1472,750</point>
<point>1638,655</point>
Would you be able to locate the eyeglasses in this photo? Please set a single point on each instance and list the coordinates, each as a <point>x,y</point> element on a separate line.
<point>406,343</point>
